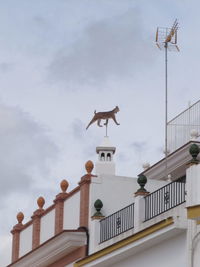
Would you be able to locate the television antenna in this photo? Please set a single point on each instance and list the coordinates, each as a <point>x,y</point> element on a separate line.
<point>166,39</point>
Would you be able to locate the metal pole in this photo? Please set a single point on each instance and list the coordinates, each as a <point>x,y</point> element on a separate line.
<point>166,109</point>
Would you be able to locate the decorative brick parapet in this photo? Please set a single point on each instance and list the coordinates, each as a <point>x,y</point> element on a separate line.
<point>16,236</point>
<point>36,218</point>
<point>59,206</point>
<point>84,194</point>
<point>40,212</point>
<point>84,199</point>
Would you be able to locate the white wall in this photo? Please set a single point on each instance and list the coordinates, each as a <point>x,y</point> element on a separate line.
<point>116,192</point>
<point>47,226</point>
<point>169,253</point>
<point>195,257</point>
<point>105,167</point>
<point>72,212</point>
<point>193,185</point>
<point>25,240</point>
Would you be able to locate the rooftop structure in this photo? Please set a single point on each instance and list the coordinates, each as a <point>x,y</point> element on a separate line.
<point>184,127</point>
<point>111,220</point>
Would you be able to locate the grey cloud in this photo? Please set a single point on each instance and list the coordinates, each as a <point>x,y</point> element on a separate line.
<point>6,67</point>
<point>26,155</point>
<point>77,128</point>
<point>86,141</point>
<point>122,157</point>
<point>25,150</point>
<point>139,146</point>
<point>39,20</point>
<point>89,150</point>
<point>109,49</point>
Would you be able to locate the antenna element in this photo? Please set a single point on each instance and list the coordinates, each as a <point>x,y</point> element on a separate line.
<point>166,39</point>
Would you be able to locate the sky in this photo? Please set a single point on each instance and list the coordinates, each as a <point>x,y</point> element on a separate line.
<point>62,59</point>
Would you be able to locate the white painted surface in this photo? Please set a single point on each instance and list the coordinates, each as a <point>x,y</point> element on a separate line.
<point>195,251</point>
<point>47,226</point>
<point>72,212</point>
<point>25,240</point>
<point>105,164</point>
<point>169,253</point>
<point>139,212</point>
<point>193,185</point>
<point>105,167</point>
<point>106,142</point>
<point>94,236</point>
<point>53,250</point>
<point>176,164</point>
<point>160,238</point>
<point>116,192</point>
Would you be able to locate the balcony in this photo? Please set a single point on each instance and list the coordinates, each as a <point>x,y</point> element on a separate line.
<point>156,203</point>
<point>165,198</point>
<point>117,223</point>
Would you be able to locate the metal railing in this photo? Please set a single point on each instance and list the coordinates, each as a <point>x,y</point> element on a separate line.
<point>165,198</point>
<point>117,223</point>
<point>179,128</point>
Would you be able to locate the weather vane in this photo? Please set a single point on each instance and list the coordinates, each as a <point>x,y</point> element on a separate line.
<point>166,38</point>
<point>98,116</point>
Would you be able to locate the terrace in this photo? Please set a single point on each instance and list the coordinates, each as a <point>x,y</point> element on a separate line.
<point>156,203</point>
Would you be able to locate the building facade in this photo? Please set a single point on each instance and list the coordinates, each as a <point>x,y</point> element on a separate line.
<point>111,220</point>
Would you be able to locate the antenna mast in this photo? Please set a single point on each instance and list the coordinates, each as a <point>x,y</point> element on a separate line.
<point>166,39</point>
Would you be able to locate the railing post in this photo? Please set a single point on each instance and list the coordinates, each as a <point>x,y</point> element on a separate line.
<point>193,185</point>
<point>59,207</point>
<point>95,229</point>
<point>36,217</point>
<point>85,193</point>
<point>139,208</point>
<point>16,236</point>
<point>139,211</point>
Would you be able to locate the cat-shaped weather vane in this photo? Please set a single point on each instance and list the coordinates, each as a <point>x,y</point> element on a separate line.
<point>98,116</point>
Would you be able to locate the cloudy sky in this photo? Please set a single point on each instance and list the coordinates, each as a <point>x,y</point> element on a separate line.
<point>62,59</point>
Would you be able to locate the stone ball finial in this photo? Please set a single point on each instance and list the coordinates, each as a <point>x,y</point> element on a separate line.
<point>142,180</point>
<point>194,151</point>
<point>20,217</point>
<point>64,185</point>
<point>146,165</point>
<point>98,204</point>
<point>40,202</point>
<point>194,134</point>
<point>89,166</point>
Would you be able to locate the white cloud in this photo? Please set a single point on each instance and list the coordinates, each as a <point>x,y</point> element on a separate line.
<point>25,146</point>
<point>25,151</point>
<point>108,49</point>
